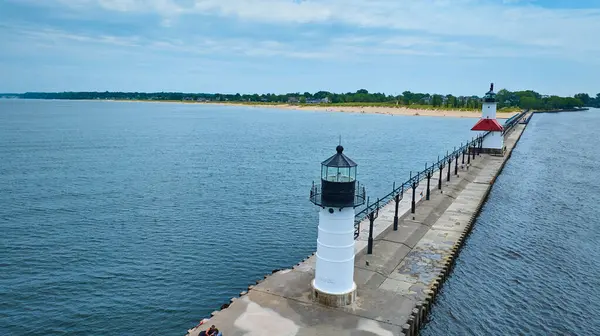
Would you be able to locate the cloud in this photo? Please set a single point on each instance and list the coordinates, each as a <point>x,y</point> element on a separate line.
<point>522,24</point>
<point>342,48</point>
<point>163,7</point>
<point>278,35</point>
<point>190,46</point>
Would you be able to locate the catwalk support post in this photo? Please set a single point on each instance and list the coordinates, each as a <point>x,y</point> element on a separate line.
<point>441,164</point>
<point>449,167</point>
<point>371,223</point>
<point>397,200</point>
<point>456,163</point>
<point>428,193</point>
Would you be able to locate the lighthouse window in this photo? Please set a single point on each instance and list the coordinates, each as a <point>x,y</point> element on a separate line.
<point>339,174</point>
<point>343,175</point>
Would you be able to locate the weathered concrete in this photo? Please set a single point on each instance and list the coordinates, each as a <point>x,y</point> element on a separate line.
<point>395,285</point>
<point>333,300</point>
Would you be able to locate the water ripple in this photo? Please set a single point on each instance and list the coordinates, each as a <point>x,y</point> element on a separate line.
<point>121,217</point>
<point>530,265</point>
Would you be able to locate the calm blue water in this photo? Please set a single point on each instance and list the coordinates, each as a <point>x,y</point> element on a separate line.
<point>531,265</point>
<point>129,218</point>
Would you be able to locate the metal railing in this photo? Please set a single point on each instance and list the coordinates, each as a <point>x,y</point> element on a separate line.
<point>372,209</point>
<point>413,181</point>
<point>513,121</point>
<point>316,196</point>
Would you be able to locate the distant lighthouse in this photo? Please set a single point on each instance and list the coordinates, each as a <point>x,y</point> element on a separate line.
<point>493,142</point>
<point>337,196</point>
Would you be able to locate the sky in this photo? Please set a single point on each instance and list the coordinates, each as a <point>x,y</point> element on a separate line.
<point>278,46</point>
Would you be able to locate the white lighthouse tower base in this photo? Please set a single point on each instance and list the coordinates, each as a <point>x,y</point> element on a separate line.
<point>493,143</point>
<point>334,273</point>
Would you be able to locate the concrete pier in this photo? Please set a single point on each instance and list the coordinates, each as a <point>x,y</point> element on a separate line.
<point>396,285</point>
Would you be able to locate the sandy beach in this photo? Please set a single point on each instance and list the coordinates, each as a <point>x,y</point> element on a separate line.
<point>393,111</point>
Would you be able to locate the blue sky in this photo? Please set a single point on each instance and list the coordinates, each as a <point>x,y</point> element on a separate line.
<point>442,46</point>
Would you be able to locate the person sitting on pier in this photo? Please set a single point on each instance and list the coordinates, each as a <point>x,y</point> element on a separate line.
<point>212,331</point>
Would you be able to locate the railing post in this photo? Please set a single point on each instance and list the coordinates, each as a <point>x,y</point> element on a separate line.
<point>440,180</point>
<point>456,164</point>
<point>468,156</point>
<point>449,168</point>
<point>463,155</point>
<point>428,181</point>
<point>413,204</point>
<point>480,145</point>
<point>370,242</point>
<point>371,220</point>
<point>473,144</point>
<point>397,200</point>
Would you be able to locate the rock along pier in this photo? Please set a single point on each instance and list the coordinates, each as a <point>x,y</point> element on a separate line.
<point>405,247</point>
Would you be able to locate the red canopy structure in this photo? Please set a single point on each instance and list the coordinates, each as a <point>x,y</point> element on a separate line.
<point>487,125</point>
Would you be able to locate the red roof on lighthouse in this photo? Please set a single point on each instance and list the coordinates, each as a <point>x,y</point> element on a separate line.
<point>487,125</point>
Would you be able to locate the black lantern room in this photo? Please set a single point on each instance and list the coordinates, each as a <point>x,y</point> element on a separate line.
<point>339,188</point>
<point>490,96</point>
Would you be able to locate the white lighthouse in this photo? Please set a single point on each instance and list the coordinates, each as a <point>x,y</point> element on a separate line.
<point>337,196</point>
<point>494,142</point>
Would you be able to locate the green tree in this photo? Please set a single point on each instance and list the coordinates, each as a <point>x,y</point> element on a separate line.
<point>524,99</point>
<point>407,97</point>
<point>584,97</point>
<point>528,103</point>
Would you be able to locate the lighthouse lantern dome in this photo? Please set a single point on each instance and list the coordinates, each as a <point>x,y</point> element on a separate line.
<point>338,183</point>
<point>338,168</point>
<point>490,96</point>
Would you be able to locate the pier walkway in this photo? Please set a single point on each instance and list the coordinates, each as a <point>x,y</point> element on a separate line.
<point>396,284</point>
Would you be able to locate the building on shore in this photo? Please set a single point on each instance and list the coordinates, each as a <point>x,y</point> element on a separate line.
<point>318,101</point>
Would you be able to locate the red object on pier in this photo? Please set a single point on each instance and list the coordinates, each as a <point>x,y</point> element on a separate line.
<point>488,125</point>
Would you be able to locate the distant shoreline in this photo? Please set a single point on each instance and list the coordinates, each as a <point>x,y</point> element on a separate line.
<point>358,108</point>
<point>386,110</point>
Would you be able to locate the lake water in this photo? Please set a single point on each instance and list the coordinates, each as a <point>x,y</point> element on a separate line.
<point>531,265</point>
<point>129,218</point>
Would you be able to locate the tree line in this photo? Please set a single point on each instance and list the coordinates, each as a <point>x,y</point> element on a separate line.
<point>589,101</point>
<point>323,97</point>
<point>506,99</point>
<point>529,99</point>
